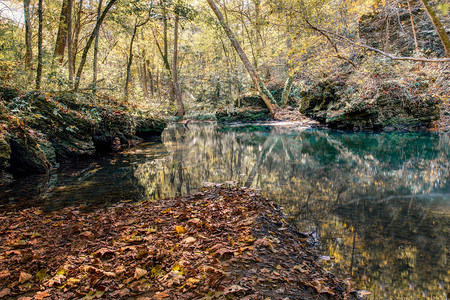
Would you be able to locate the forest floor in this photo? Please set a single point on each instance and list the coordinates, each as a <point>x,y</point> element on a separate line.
<point>221,243</point>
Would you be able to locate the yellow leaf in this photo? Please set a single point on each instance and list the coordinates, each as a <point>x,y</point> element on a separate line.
<point>73,281</point>
<point>192,281</point>
<point>180,229</point>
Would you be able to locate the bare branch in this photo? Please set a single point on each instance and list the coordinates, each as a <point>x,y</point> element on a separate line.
<point>391,56</point>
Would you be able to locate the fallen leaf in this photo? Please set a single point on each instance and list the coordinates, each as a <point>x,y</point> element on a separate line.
<point>180,229</point>
<point>233,289</point>
<point>363,293</point>
<point>5,292</point>
<point>138,273</point>
<point>73,281</point>
<point>41,295</point>
<point>161,295</point>
<point>24,277</point>
<point>189,240</point>
<point>59,279</point>
<point>192,281</point>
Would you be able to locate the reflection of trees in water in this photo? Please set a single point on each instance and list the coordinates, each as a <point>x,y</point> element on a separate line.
<point>345,187</point>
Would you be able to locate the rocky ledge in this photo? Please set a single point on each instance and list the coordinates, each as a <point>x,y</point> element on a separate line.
<point>40,130</point>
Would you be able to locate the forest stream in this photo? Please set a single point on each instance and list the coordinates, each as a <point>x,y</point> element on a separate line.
<point>376,204</point>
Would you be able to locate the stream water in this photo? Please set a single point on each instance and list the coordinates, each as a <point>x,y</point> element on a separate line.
<point>377,205</point>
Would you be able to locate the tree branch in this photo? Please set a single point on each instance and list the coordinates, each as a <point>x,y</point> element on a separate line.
<point>391,56</point>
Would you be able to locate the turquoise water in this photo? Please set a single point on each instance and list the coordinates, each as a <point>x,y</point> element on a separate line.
<point>377,205</point>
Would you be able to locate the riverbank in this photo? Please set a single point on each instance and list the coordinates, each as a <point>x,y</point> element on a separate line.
<point>219,243</point>
<point>38,130</point>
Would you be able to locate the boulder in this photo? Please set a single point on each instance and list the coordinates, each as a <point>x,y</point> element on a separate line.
<point>27,157</point>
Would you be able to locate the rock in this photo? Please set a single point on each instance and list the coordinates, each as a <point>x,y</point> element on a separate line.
<point>247,114</point>
<point>27,156</point>
<point>250,101</point>
<point>320,98</point>
<point>5,153</point>
<point>391,106</point>
<point>7,93</point>
<point>46,129</point>
<point>146,126</point>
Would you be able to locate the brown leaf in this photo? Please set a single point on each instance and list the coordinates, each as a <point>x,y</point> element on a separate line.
<point>41,295</point>
<point>189,240</point>
<point>161,295</point>
<point>138,273</point>
<point>5,292</point>
<point>320,288</point>
<point>24,277</point>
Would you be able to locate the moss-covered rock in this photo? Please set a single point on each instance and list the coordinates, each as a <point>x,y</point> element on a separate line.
<point>46,129</point>
<point>391,105</point>
<point>320,98</point>
<point>27,157</point>
<point>246,114</point>
<point>146,126</point>
<point>5,153</point>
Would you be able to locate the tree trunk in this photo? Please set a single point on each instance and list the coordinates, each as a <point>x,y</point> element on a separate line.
<point>61,36</point>
<point>286,90</point>
<point>438,27</point>
<point>265,94</point>
<point>89,43</point>
<point>144,78</point>
<point>77,31</point>
<point>40,50</point>
<point>166,67</point>
<point>69,43</point>
<point>150,78</point>
<point>176,86</point>
<point>29,49</point>
<point>413,27</point>
<point>130,60</point>
<point>94,78</point>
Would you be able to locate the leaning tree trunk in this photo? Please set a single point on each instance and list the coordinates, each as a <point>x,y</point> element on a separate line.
<point>176,86</point>
<point>39,66</point>
<point>287,90</point>
<point>130,61</point>
<point>265,94</point>
<point>61,36</point>
<point>70,43</point>
<point>94,77</point>
<point>29,49</point>
<point>89,43</point>
<point>77,30</point>
<point>438,27</point>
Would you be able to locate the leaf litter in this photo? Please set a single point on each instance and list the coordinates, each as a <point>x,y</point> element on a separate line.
<point>221,243</point>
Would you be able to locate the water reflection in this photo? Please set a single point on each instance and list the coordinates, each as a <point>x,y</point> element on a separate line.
<point>377,203</point>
